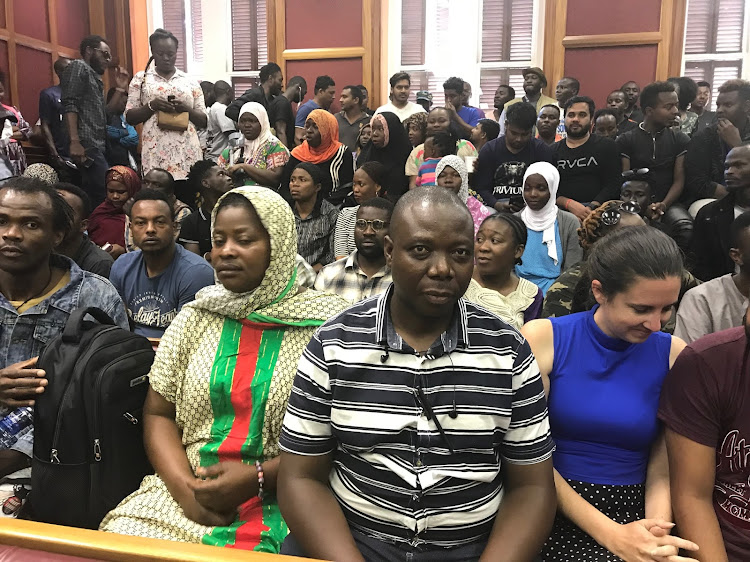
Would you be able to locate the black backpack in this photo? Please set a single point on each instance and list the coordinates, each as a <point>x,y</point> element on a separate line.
<point>88,437</point>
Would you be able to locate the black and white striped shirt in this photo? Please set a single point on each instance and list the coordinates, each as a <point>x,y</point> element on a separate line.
<point>356,393</point>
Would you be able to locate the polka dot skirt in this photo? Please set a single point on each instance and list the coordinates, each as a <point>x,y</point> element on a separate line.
<point>568,543</point>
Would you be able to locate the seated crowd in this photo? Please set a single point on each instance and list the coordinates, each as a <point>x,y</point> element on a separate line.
<point>419,333</point>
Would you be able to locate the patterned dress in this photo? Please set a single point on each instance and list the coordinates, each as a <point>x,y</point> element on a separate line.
<point>173,151</point>
<point>227,362</point>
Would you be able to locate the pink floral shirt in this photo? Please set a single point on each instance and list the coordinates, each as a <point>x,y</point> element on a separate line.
<point>173,151</point>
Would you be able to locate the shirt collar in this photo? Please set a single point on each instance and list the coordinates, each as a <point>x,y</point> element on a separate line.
<point>352,264</point>
<point>454,337</point>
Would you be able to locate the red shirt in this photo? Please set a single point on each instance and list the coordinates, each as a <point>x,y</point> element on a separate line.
<point>706,398</point>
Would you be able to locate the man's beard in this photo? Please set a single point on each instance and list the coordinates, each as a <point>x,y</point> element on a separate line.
<point>576,135</point>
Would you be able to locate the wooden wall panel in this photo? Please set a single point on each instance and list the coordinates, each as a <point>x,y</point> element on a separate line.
<point>323,24</point>
<point>72,22</point>
<point>31,18</point>
<point>586,17</point>
<point>31,83</point>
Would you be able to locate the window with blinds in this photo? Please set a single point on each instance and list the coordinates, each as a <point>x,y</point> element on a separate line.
<point>716,41</point>
<point>249,35</point>
<point>429,29</point>
<point>173,16</point>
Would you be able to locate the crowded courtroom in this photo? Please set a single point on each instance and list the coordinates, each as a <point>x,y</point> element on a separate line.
<point>296,279</point>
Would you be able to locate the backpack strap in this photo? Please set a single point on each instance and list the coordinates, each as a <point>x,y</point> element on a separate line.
<point>73,331</point>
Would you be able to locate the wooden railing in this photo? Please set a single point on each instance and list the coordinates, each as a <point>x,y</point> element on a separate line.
<point>96,545</point>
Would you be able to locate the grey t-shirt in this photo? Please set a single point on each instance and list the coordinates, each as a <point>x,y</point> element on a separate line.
<point>710,307</point>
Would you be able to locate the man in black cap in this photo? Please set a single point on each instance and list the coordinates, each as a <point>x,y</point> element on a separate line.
<point>533,82</point>
<point>424,98</point>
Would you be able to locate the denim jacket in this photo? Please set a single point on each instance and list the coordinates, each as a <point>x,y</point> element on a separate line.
<point>22,336</point>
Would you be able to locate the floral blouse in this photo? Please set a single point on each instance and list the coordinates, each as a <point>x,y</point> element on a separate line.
<point>174,151</point>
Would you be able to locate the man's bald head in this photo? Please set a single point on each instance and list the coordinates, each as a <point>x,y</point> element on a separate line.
<point>430,199</point>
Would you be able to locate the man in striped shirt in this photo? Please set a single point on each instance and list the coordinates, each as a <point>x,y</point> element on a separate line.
<point>406,407</point>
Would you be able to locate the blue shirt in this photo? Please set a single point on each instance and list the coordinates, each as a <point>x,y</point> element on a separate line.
<point>51,112</point>
<point>537,266</point>
<point>470,115</point>
<point>603,400</point>
<point>303,111</point>
<point>153,302</point>
<point>23,335</point>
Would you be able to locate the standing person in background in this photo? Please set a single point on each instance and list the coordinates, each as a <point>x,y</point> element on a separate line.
<point>485,131</point>
<point>389,145</point>
<point>209,98</point>
<point>533,82</point>
<point>632,91</point>
<point>548,124</point>
<point>351,117</point>
<point>701,105</point>
<point>589,165</point>
<point>167,90</point>
<point>605,123</point>
<point>271,84</point>
<point>262,157</point>
<point>122,139</point>
<point>424,98</point>
<point>321,148</point>
<point>14,129</point>
<point>399,97</point>
<point>503,95</point>
<point>281,110</point>
<point>85,112</point>
<point>323,94</point>
<point>567,87</point>
<point>365,100</point>
<point>220,127</point>
<point>464,117</point>
<point>52,121</point>
<point>617,101</point>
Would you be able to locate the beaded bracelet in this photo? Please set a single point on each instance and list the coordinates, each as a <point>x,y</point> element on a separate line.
<point>261,479</point>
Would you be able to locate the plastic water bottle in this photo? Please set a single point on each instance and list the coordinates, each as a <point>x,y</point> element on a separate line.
<point>12,425</point>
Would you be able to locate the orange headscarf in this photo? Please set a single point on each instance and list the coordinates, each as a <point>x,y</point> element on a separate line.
<point>329,139</point>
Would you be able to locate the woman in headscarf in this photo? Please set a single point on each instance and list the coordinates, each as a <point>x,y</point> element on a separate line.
<point>451,172</point>
<point>552,244</point>
<point>322,148</point>
<point>389,145</point>
<point>220,383</point>
<point>261,159</point>
<point>107,222</point>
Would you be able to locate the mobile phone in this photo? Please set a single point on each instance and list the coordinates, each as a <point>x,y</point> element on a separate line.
<point>170,99</point>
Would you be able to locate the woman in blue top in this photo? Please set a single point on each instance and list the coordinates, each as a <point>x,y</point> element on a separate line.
<point>603,370</point>
<point>552,245</point>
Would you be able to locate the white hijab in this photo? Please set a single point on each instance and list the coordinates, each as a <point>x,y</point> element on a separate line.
<point>544,219</point>
<point>252,146</point>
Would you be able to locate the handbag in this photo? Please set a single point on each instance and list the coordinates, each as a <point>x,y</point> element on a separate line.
<point>172,121</point>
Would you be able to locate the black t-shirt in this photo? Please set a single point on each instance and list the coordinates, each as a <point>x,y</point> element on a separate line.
<point>656,152</point>
<point>280,109</point>
<point>590,172</point>
<point>196,229</point>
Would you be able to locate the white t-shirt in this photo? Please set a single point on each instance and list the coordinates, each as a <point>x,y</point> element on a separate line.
<point>403,113</point>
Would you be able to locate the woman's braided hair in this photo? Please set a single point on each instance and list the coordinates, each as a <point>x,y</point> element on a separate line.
<point>593,228</point>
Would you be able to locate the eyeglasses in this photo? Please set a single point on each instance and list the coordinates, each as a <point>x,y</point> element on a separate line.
<point>377,225</point>
<point>422,399</point>
<point>105,54</point>
<point>635,173</point>
<point>612,216</point>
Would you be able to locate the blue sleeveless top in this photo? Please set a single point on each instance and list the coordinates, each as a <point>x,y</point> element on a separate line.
<point>604,395</point>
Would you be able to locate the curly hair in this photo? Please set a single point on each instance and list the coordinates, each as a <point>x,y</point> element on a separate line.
<point>593,228</point>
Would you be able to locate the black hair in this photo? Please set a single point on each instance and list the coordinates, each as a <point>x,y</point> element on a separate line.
<point>629,82</point>
<point>78,192</point>
<point>454,83</point>
<point>377,172</point>
<point>323,83</point>
<point>688,90</point>
<point>396,78</point>
<point>738,226</point>
<point>553,106</point>
<point>521,115</point>
<point>222,87</point>
<point>604,111</point>
<point>618,91</point>
<point>378,203</point>
<point>58,66</point>
<point>197,173</point>
<point>742,87</point>
<point>151,195</point>
<point>355,91</point>
<point>62,213</point>
<point>160,34</point>
<point>650,93</point>
<point>511,89</point>
<point>110,92</point>
<point>703,84</point>
<point>639,251</point>
<point>313,170</point>
<point>576,83</point>
<point>581,99</point>
<point>296,80</point>
<point>268,70</point>
<point>489,127</point>
<point>517,228</point>
<point>362,87</point>
<point>92,41</point>
<point>444,142</point>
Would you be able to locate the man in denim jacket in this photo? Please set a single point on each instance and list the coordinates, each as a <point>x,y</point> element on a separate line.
<point>38,291</point>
